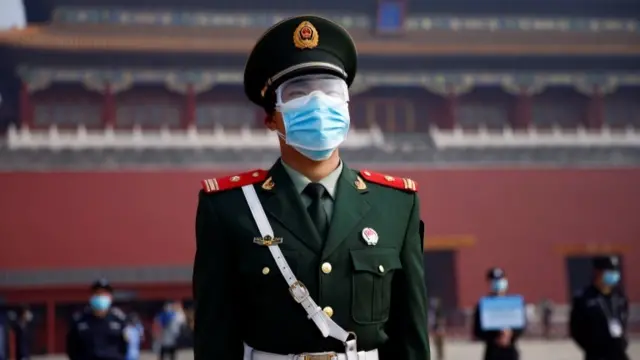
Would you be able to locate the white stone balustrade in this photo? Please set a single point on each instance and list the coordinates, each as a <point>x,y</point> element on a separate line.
<point>82,138</point>
<point>535,138</point>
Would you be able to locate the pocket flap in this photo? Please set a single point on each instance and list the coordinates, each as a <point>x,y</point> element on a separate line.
<point>376,261</point>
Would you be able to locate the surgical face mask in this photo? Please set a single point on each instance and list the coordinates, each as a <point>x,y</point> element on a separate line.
<point>315,114</point>
<point>499,285</point>
<point>100,302</point>
<point>611,277</point>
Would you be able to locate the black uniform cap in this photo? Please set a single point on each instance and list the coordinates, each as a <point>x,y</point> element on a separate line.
<point>101,284</point>
<point>495,273</point>
<point>301,45</point>
<point>606,263</point>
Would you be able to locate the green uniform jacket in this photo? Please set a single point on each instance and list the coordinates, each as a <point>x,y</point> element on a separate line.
<point>378,291</point>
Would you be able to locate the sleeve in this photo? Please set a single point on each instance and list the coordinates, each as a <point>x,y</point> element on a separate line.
<point>407,324</point>
<point>216,331</point>
<point>124,341</point>
<point>72,343</point>
<point>478,333</point>
<point>625,313</point>
<point>577,324</point>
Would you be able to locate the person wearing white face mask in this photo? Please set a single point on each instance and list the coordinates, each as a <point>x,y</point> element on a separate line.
<point>347,244</point>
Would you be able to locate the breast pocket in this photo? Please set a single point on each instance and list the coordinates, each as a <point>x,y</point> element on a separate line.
<point>373,271</point>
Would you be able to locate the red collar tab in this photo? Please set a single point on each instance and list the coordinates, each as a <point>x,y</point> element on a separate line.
<point>404,184</point>
<point>234,181</point>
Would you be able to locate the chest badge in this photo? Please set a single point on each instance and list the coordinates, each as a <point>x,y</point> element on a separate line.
<point>370,236</point>
<point>267,240</point>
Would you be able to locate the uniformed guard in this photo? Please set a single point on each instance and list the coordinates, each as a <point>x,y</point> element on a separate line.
<point>499,344</point>
<point>97,332</point>
<point>599,314</point>
<point>309,259</point>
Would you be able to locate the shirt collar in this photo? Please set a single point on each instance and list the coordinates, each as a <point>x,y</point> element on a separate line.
<point>300,181</point>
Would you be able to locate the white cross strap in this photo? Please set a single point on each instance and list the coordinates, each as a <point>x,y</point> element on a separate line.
<point>298,290</point>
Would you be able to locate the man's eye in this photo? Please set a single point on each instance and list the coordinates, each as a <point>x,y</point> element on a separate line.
<point>295,94</point>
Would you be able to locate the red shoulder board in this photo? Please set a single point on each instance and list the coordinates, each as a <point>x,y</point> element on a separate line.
<point>235,181</point>
<point>405,184</point>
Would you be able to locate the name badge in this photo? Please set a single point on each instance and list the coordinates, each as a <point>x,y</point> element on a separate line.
<point>615,328</point>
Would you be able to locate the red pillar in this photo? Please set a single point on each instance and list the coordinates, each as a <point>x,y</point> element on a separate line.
<point>26,108</point>
<point>109,107</point>
<point>189,118</point>
<point>595,109</point>
<point>523,114</point>
<point>450,111</point>
<point>51,326</point>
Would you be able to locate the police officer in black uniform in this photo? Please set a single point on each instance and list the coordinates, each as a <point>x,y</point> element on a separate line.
<point>600,312</point>
<point>499,345</point>
<point>97,332</point>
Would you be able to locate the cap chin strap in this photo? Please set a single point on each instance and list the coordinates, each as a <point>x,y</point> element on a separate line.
<point>298,290</point>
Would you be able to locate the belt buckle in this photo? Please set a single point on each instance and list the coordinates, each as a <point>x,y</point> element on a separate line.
<point>300,293</point>
<point>325,356</point>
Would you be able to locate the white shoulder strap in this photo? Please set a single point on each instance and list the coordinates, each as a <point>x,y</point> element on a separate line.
<point>297,289</point>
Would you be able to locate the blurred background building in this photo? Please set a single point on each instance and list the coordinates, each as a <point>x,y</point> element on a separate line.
<point>521,124</point>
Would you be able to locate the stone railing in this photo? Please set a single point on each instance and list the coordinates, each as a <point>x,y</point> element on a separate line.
<point>535,138</point>
<point>81,138</point>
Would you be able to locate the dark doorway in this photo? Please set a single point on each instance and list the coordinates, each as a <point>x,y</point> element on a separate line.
<point>580,272</point>
<point>440,277</point>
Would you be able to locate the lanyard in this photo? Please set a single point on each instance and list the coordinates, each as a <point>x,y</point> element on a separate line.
<point>610,315</point>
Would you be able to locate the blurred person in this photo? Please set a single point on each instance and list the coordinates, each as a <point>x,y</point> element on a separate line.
<point>134,333</point>
<point>22,331</point>
<point>499,344</point>
<point>97,332</point>
<point>437,321</point>
<point>546,313</point>
<point>169,324</point>
<point>352,238</point>
<point>4,334</point>
<point>599,314</point>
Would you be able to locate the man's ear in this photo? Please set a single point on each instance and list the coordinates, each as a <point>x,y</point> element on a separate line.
<point>270,120</point>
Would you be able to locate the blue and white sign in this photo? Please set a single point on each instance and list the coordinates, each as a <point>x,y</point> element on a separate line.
<point>502,312</point>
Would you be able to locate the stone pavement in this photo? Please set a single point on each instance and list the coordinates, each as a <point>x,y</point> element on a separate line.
<point>464,350</point>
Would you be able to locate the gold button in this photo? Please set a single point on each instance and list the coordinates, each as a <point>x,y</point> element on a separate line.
<point>255,174</point>
<point>265,271</point>
<point>326,268</point>
<point>328,310</point>
<point>235,178</point>
<point>381,268</point>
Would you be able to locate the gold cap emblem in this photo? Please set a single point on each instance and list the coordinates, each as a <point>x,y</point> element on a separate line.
<point>306,36</point>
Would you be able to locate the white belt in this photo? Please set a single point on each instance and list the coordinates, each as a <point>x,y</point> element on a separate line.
<point>298,291</point>
<point>362,355</point>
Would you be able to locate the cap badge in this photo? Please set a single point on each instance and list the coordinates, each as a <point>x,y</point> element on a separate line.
<point>370,236</point>
<point>305,36</point>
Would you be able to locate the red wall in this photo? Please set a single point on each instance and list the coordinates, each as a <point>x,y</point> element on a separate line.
<point>76,220</point>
